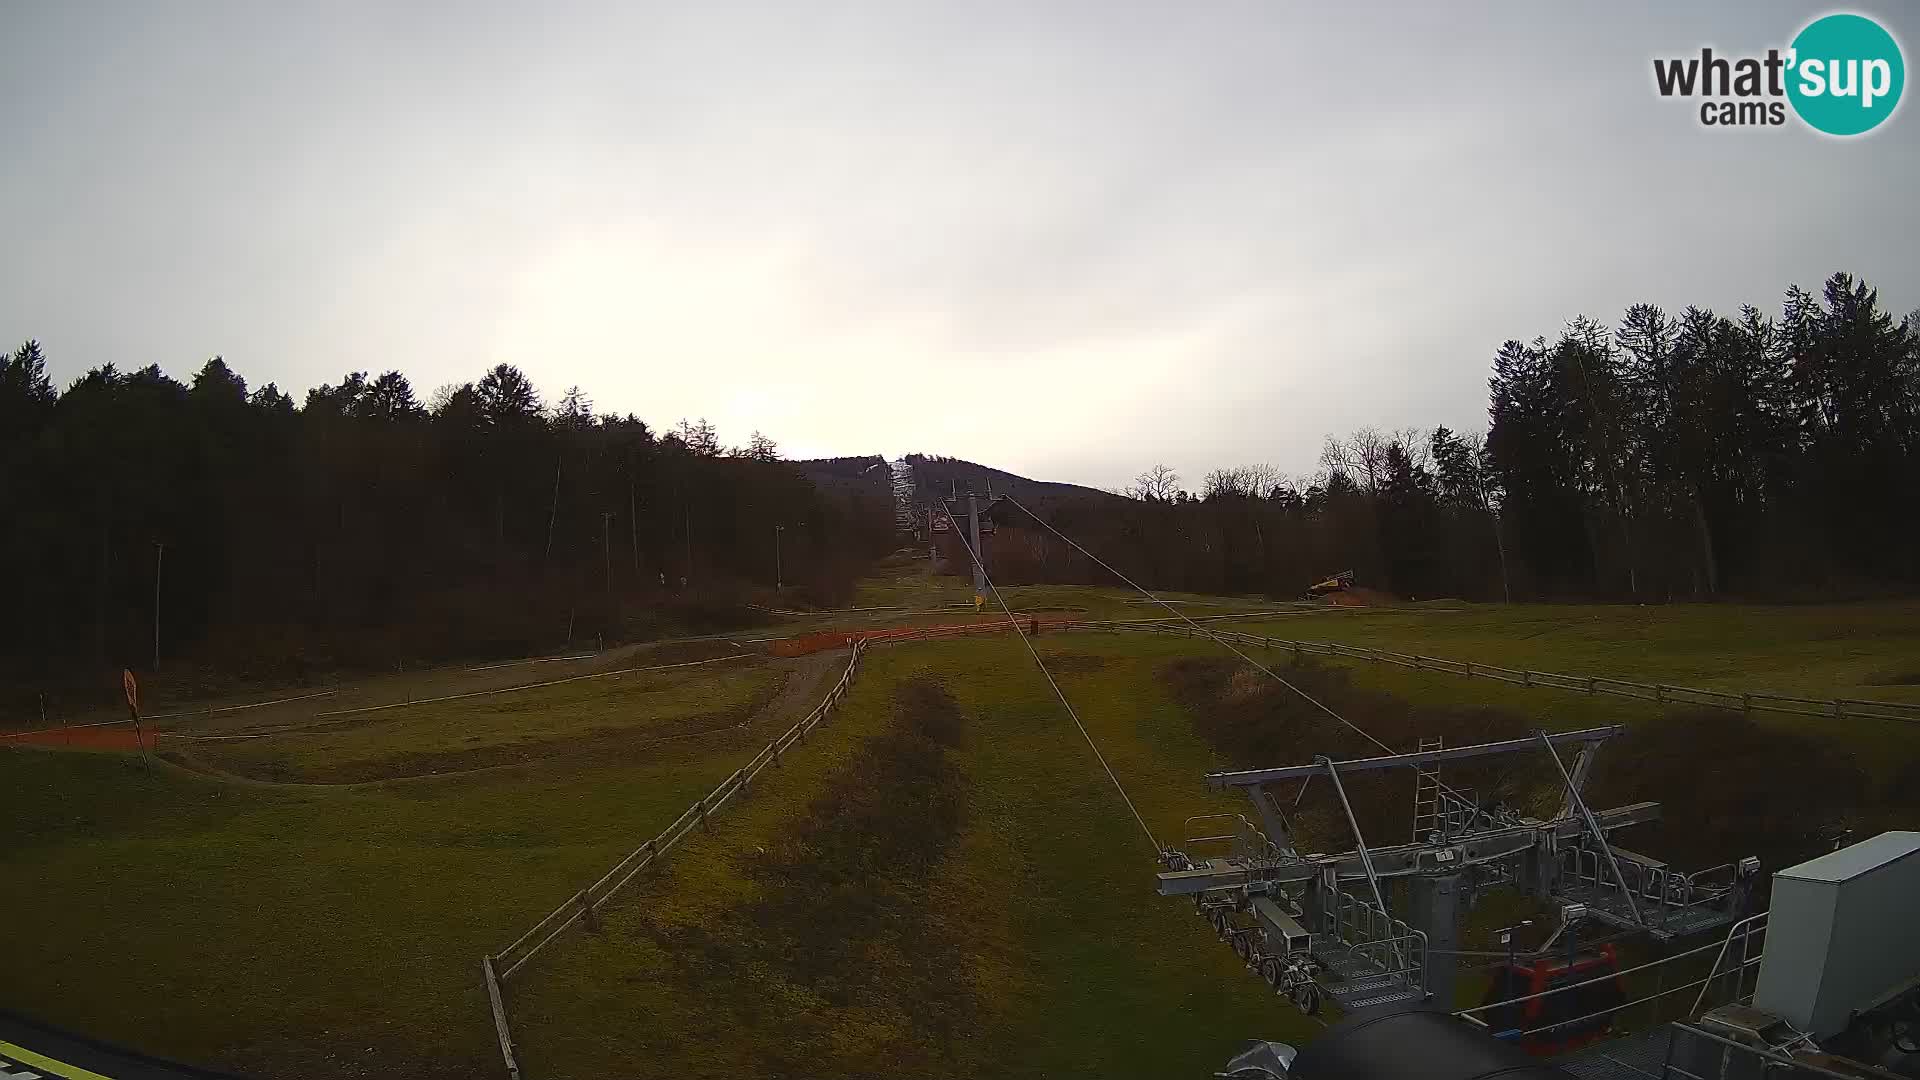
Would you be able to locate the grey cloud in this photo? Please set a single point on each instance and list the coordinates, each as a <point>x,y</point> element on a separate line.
<point>1195,233</point>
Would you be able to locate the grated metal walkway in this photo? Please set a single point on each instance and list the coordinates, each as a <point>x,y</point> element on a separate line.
<point>1354,982</point>
<point>1639,1056</point>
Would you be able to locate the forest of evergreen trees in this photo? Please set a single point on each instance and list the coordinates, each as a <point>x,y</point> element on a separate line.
<point>1671,457</point>
<point>362,527</point>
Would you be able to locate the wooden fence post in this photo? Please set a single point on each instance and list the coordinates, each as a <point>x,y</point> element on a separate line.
<point>500,1017</point>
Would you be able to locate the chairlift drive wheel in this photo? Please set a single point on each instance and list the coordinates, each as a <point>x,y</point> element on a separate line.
<point>1306,997</point>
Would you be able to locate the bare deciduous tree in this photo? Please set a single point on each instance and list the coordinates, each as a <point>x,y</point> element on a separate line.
<point>1361,455</point>
<point>1158,484</point>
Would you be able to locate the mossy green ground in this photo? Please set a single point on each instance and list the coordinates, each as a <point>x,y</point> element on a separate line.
<point>1079,968</point>
<point>298,931</point>
<point>628,714</point>
<point>1863,651</point>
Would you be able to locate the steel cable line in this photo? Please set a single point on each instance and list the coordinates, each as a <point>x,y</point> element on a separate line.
<point>1041,664</point>
<point>1309,698</point>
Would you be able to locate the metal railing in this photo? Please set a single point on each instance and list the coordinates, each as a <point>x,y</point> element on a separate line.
<point>1666,889</point>
<point>1366,929</point>
<point>1243,839</point>
<point>1720,1058</point>
<point>1742,932</point>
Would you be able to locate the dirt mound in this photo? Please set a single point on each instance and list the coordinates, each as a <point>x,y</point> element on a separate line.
<point>1361,596</point>
<point>86,736</point>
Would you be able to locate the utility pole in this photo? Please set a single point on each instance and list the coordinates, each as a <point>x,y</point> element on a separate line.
<point>159,553</point>
<point>606,546</point>
<point>554,511</point>
<point>777,530</point>
<point>633,527</point>
<point>973,528</point>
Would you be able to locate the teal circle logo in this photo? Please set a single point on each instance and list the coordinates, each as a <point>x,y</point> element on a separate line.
<point>1846,74</point>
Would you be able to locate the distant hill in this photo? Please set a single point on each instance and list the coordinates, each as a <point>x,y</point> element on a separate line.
<point>846,476</point>
<point>934,476</point>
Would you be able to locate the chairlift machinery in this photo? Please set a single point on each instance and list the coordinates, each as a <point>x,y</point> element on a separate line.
<point>1319,926</point>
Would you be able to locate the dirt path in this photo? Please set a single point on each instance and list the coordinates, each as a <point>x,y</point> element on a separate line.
<point>803,684</point>
<point>118,735</point>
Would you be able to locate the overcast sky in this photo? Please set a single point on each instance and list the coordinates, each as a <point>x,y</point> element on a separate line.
<point>1066,239</point>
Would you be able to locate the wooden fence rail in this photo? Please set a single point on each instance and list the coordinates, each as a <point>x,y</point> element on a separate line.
<point>1748,702</point>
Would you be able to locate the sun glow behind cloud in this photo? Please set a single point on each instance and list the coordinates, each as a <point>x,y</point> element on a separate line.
<point>1069,240</point>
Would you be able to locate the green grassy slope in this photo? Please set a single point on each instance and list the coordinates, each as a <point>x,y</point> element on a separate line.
<point>1071,963</point>
<point>291,931</point>
<point>302,931</point>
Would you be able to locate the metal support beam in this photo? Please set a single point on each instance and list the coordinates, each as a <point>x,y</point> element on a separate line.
<point>1436,904</point>
<point>1256,777</point>
<point>1400,860</point>
<point>1582,768</point>
<point>1360,846</point>
<point>1593,826</point>
<point>973,527</point>
<point>1272,819</point>
<point>1359,841</point>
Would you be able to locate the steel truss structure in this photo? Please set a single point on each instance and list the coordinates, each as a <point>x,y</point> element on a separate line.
<point>1317,926</point>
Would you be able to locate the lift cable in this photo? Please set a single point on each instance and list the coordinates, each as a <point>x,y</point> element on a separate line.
<point>1309,698</point>
<point>1223,643</point>
<point>1031,651</point>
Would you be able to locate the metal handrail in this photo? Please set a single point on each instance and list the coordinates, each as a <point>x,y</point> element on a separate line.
<point>1702,983</point>
<point>1725,944</point>
<point>1796,1063</point>
<point>1468,1014</point>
